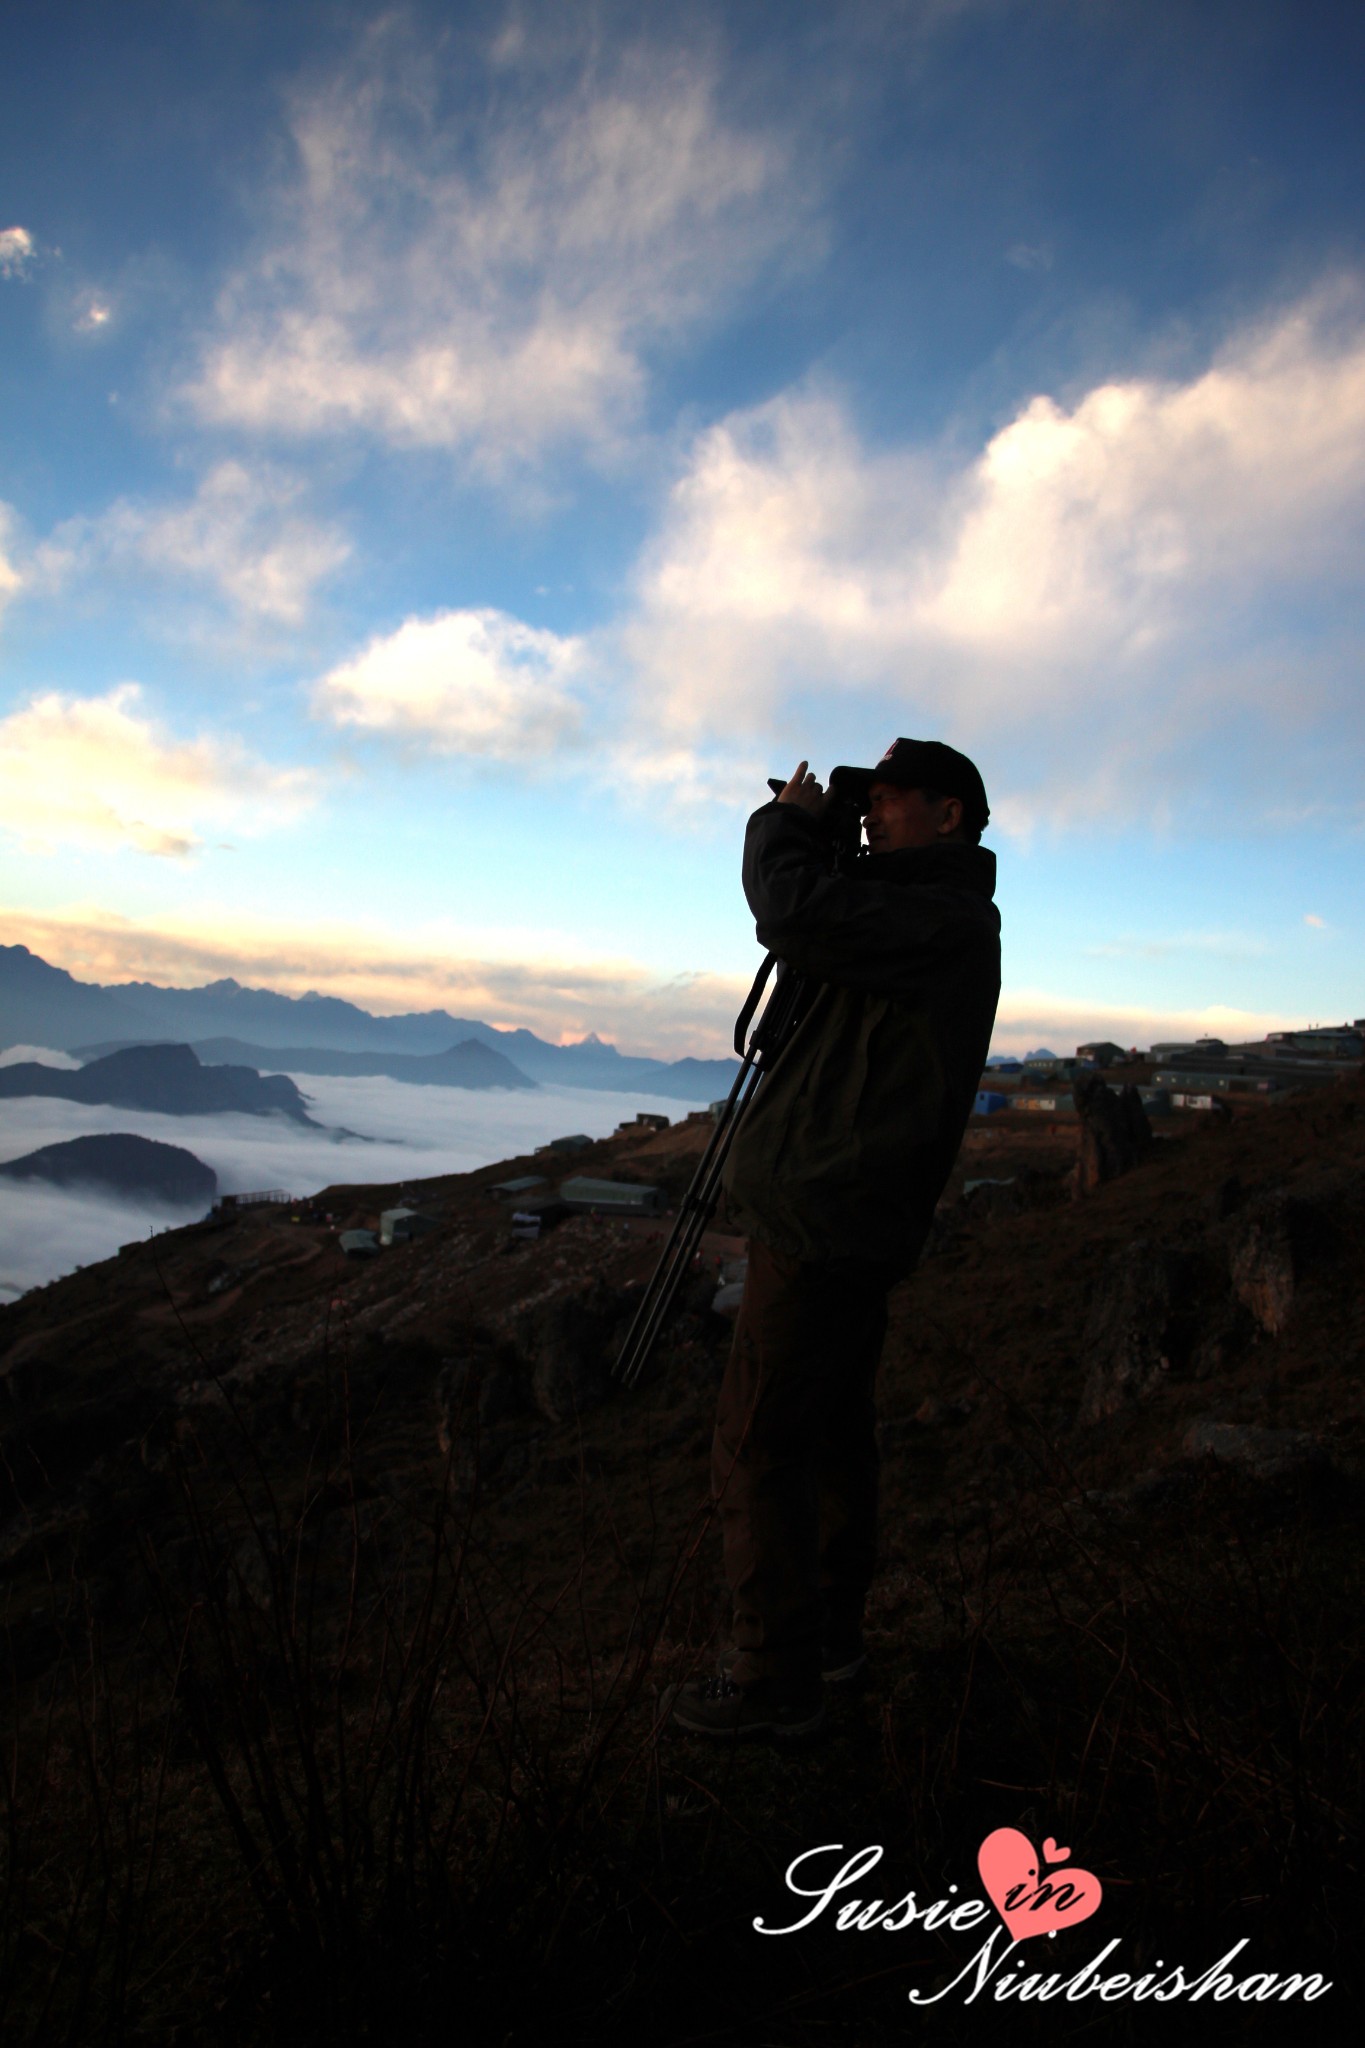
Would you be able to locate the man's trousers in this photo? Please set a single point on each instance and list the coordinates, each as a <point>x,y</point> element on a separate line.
<point>794,1457</point>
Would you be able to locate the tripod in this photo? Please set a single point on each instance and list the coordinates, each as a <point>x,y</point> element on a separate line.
<point>787,1004</point>
<point>783,1011</point>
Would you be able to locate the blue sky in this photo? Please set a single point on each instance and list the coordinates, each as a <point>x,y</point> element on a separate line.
<point>452,455</point>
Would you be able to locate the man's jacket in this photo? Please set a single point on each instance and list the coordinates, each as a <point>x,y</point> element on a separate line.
<point>853,1133</point>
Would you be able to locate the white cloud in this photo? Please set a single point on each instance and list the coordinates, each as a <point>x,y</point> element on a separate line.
<point>1030,1016</point>
<point>1030,255</point>
<point>93,313</point>
<point>11,582</point>
<point>469,682</point>
<point>1094,588</point>
<point>91,772</point>
<point>492,282</point>
<point>16,251</point>
<point>15,1055</point>
<point>785,543</point>
<point>242,532</point>
<point>1318,923</point>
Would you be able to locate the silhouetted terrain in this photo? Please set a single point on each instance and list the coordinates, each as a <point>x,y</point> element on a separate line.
<point>44,1005</point>
<point>120,1161</point>
<point>340,1597</point>
<point>168,1078</point>
<point>470,1064</point>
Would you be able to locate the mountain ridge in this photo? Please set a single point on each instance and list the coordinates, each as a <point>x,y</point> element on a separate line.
<point>165,1078</point>
<point>45,1005</point>
<point>470,1064</point>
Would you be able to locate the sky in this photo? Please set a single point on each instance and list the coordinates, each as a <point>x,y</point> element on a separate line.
<point>453,455</point>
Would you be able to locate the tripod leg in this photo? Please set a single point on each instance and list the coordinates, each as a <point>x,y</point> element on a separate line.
<point>770,1035</point>
<point>688,1229</point>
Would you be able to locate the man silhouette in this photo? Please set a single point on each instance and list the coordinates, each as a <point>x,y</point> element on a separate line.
<point>835,1174</point>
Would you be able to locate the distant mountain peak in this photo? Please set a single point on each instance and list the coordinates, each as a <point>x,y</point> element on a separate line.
<point>42,1005</point>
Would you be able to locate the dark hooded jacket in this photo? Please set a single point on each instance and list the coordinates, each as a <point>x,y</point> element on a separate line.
<point>852,1135</point>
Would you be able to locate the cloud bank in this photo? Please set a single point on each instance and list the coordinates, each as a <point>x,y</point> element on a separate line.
<point>94,772</point>
<point>1104,588</point>
<point>419,1133</point>
<point>1093,591</point>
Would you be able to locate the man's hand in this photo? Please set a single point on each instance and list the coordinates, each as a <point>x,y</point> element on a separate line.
<point>805,790</point>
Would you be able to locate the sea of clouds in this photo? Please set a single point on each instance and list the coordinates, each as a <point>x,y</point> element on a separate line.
<point>376,1130</point>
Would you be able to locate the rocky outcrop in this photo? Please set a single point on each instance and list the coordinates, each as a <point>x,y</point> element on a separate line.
<point>1140,1328</point>
<point>1261,1261</point>
<point>1266,1453</point>
<point>1115,1133</point>
<point>567,1342</point>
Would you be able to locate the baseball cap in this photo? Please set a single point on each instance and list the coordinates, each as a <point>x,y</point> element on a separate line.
<point>921,764</point>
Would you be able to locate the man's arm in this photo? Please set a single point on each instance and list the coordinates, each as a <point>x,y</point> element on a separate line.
<point>855,931</point>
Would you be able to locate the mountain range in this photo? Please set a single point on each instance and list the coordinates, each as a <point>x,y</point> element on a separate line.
<point>44,1005</point>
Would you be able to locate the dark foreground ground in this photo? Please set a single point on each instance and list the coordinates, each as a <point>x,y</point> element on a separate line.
<point>338,1601</point>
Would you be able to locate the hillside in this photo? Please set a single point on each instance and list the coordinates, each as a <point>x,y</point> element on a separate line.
<point>122,1163</point>
<point>392,1573</point>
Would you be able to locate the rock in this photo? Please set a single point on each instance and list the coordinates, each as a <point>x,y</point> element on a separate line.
<point>1261,1261</point>
<point>1026,1189</point>
<point>1269,1453</point>
<point>571,1468</point>
<point>567,1343</point>
<point>726,1300</point>
<point>1115,1133</point>
<point>1163,1486</point>
<point>517,1460</point>
<point>935,1413</point>
<point>1139,1328</point>
<point>251,1578</point>
<point>502,1394</point>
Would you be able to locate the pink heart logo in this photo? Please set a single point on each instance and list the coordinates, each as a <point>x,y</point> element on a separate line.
<point>1028,1900</point>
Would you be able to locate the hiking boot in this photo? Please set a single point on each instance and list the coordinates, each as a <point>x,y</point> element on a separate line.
<point>842,1658</point>
<point>772,1706</point>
